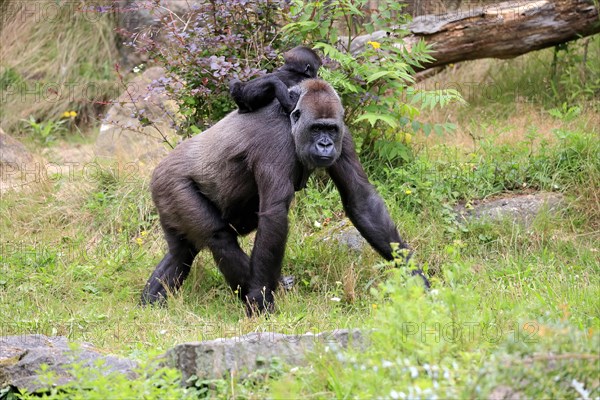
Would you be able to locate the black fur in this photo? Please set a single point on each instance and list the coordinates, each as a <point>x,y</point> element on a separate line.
<point>241,175</point>
<point>300,63</point>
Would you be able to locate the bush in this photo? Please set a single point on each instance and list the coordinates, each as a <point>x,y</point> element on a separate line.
<point>456,341</point>
<point>201,56</point>
<point>202,51</point>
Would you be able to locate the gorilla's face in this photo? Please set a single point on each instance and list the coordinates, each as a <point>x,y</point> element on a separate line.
<point>317,126</point>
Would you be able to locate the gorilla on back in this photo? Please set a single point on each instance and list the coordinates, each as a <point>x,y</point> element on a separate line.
<point>300,63</point>
<point>240,175</point>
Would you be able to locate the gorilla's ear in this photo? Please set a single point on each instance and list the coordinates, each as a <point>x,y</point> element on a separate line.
<point>295,92</point>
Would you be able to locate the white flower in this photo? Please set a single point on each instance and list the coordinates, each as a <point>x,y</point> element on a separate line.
<point>414,372</point>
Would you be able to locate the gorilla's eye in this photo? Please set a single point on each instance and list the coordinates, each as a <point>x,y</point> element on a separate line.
<point>296,115</point>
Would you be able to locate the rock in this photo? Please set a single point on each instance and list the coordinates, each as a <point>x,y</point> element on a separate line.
<point>22,356</point>
<point>18,167</point>
<point>123,137</point>
<point>239,356</point>
<point>287,282</point>
<point>345,234</point>
<point>13,152</point>
<point>520,208</point>
<point>135,17</point>
<point>505,393</point>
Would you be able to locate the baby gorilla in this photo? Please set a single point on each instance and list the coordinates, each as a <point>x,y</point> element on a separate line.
<point>300,63</point>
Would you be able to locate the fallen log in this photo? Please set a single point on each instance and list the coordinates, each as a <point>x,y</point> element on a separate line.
<point>502,30</point>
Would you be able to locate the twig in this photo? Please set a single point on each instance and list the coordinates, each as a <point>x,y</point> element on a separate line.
<point>137,110</point>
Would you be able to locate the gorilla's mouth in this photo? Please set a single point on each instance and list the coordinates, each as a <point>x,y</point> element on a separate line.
<point>322,161</point>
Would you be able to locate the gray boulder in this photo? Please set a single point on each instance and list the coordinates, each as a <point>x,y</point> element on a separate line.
<point>345,234</point>
<point>520,209</point>
<point>242,355</point>
<point>135,17</point>
<point>19,168</point>
<point>13,152</point>
<point>123,137</point>
<point>21,358</point>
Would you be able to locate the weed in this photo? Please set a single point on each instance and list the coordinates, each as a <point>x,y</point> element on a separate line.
<point>47,131</point>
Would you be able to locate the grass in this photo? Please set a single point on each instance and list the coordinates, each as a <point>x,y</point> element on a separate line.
<point>77,252</point>
<point>514,309</point>
<point>49,66</point>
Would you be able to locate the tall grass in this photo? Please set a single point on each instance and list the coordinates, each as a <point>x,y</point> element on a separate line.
<point>55,56</point>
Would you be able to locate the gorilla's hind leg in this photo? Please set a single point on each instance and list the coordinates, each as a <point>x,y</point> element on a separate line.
<point>169,274</point>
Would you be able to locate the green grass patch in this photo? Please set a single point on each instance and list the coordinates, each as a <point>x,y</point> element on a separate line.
<point>512,308</point>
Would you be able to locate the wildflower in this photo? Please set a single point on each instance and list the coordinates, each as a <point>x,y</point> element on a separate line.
<point>408,191</point>
<point>144,233</point>
<point>375,45</point>
<point>139,241</point>
<point>374,306</point>
<point>69,114</point>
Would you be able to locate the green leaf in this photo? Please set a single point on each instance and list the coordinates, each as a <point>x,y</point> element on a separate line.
<point>379,74</point>
<point>426,129</point>
<point>374,118</point>
<point>416,126</point>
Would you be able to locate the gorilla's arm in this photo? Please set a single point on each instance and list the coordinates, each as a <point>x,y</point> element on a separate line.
<point>275,194</point>
<point>257,93</point>
<point>362,203</point>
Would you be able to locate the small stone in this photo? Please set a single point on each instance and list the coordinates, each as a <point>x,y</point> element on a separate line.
<point>345,234</point>
<point>519,208</point>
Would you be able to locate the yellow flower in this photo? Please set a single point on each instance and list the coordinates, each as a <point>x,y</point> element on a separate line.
<point>374,306</point>
<point>144,233</point>
<point>375,45</point>
<point>139,241</point>
<point>408,191</point>
<point>69,114</point>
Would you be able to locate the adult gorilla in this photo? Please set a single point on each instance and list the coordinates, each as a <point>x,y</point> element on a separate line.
<point>241,175</point>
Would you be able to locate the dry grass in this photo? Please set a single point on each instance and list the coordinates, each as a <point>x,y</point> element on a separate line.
<point>55,57</point>
<point>496,109</point>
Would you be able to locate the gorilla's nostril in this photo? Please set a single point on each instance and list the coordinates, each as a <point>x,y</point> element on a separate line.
<point>324,149</point>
